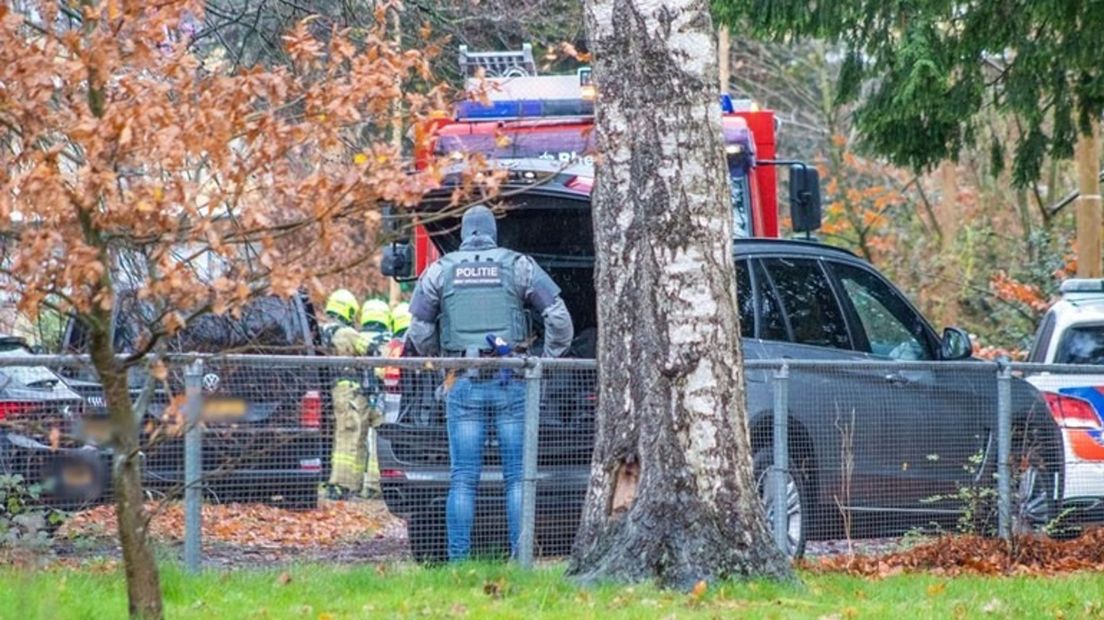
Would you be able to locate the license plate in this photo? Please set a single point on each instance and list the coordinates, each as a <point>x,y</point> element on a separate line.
<point>97,430</point>
<point>223,409</point>
<point>76,475</point>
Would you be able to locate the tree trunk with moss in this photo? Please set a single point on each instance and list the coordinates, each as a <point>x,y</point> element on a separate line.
<point>672,497</point>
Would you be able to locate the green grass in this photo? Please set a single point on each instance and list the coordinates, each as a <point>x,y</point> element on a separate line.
<point>495,591</point>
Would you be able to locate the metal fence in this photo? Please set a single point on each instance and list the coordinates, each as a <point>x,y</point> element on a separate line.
<point>871,453</point>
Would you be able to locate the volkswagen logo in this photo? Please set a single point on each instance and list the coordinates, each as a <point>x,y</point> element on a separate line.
<point>211,382</point>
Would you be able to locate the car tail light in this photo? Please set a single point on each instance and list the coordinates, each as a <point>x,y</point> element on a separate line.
<point>1072,412</point>
<point>11,409</point>
<point>580,184</point>
<point>392,473</point>
<point>310,410</point>
<point>391,374</point>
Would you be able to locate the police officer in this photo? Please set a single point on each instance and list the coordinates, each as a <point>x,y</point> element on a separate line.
<point>350,405</point>
<point>478,291</point>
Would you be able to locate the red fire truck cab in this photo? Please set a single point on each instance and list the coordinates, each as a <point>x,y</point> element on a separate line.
<point>541,124</point>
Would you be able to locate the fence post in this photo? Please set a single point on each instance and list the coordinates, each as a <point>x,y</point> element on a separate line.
<point>781,461</point>
<point>193,466</point>
<point>1004,449</point>
<point>527,536</point>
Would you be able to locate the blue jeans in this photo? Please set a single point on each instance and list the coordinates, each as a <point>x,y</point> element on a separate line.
<point>470,405</point>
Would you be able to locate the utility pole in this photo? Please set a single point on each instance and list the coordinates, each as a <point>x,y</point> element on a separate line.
<point>947,207</point>
<point>394,292</point>
<point>723,56</point>
<point>1089,205</point>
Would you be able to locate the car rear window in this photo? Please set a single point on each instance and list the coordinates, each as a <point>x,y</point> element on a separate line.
<point>266,324</point>
<point>543,227</point>
<point>1082,344</point>
<point>1042,339</point>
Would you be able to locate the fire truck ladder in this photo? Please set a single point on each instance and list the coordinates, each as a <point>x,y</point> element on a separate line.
<point>498,64</point>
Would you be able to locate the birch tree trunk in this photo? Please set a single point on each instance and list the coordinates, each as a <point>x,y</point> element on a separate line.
<point>672,497</point>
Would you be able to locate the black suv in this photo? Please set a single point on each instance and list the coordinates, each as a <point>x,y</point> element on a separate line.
<point>267,429</point>
<point>875,449</point>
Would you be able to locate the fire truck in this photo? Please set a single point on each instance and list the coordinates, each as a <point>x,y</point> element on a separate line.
<point>540,125</point>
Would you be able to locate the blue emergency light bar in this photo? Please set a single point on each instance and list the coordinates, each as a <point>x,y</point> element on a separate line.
<point>551,108</point>
<point>524,108</point>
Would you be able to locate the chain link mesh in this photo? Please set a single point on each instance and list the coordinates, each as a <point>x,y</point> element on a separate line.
<point>878,455</point>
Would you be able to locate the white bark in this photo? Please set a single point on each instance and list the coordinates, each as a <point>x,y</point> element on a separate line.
<point>672,496</point>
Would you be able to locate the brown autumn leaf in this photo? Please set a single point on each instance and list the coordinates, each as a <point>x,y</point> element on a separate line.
<point>284,578</point>
<point>495,589</point>
<point>699,590</point>
<point>1030,555</point>
<point>253,525</point>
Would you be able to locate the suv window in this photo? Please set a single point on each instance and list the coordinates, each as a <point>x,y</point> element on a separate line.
<point>745,300</point>
<point>771,323</point>
<point>266,324</point>
<point>808,301</point>
<point>890,327</point>
<point>1042,339</point>
<point>1081,344</point>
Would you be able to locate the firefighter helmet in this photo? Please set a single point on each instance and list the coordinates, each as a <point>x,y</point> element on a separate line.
<point>400,319</point>
<point>375,315</point>
<point>342,305</point>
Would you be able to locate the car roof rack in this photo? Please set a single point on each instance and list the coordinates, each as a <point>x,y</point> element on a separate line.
<point>498,63</point>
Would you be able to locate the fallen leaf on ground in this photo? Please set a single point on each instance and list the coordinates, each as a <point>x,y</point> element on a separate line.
<point>958,554</point>
<point>257,525</point>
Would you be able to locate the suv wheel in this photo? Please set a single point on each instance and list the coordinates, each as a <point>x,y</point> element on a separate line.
<point>1034,485</point>
<point>797,507</point>
<point>428,538</point>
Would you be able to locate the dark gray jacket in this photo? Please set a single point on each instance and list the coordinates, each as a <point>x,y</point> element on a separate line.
<point>539,293</point>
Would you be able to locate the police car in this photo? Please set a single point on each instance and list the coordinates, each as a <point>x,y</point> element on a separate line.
<point>1072,333</point>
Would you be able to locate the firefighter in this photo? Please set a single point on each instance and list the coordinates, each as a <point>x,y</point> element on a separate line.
<point>471,303</point>
<point>375,324</point>
<point>341,311</point>
<point>400,320</point>
<point>375,330</point>
<point>349,403</point>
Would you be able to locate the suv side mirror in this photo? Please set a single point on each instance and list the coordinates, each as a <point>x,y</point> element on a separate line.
<point>804,198</point>
<point>955,344</point>
<point>397,261</point>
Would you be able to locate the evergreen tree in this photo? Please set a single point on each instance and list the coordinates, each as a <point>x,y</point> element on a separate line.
<point>923,71</point>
